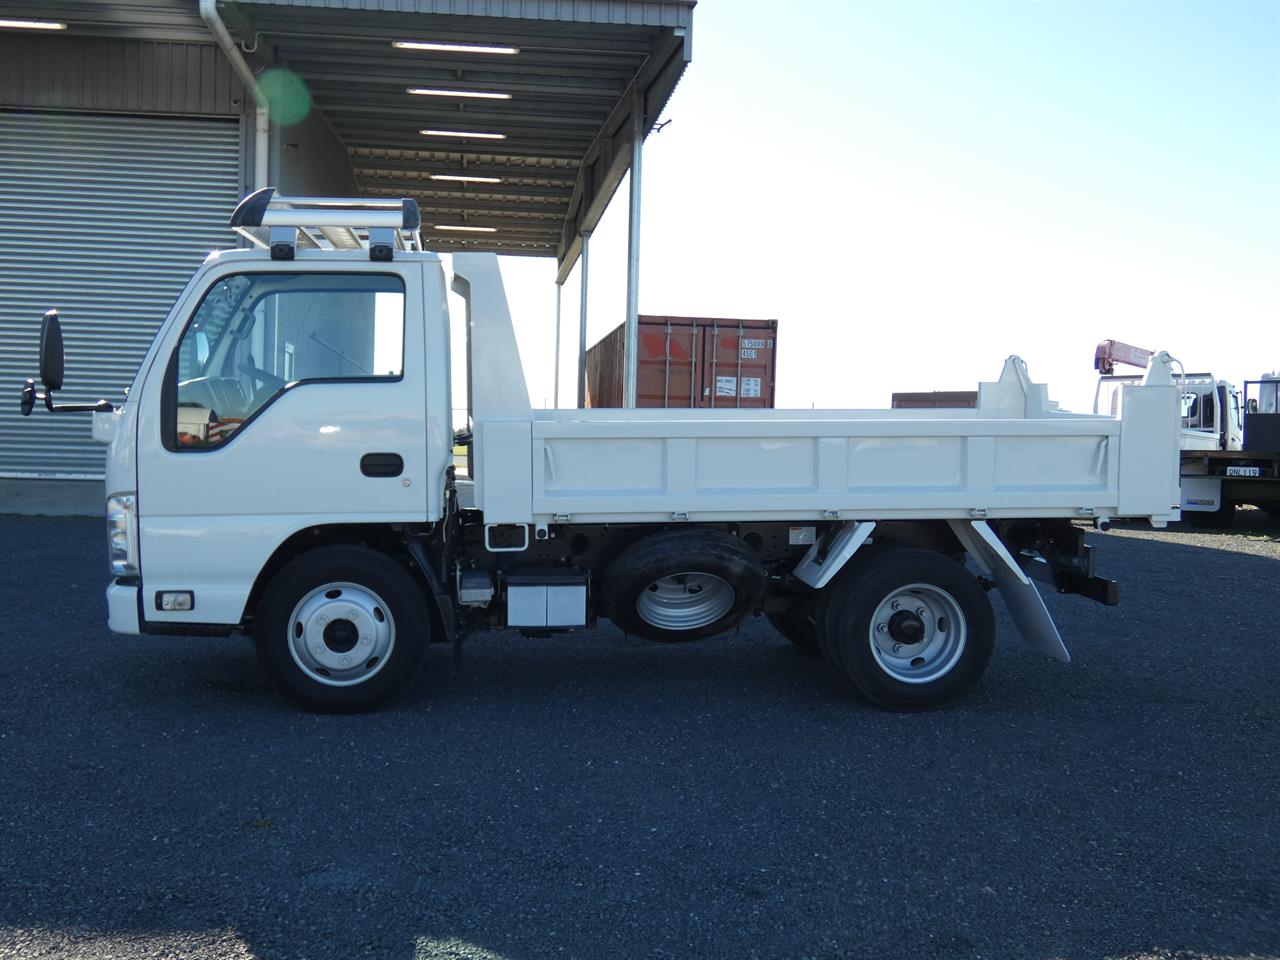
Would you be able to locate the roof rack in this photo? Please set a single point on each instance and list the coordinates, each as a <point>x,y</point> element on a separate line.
<point>327,223</point>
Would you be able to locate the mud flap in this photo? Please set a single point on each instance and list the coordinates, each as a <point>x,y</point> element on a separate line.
<point>1025,604</point>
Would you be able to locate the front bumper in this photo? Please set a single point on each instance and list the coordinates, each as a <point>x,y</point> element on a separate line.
<point>122,608</point>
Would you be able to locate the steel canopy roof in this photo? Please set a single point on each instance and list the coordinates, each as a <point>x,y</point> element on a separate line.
<point>581,68</point>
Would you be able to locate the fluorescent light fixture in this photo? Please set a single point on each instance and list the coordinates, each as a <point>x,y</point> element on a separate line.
<point>32,25</point>
<point>463,134</point>
<point>459,228</point>
<point>460,178</point>
<point>453,47</point>
<point>459,94</point>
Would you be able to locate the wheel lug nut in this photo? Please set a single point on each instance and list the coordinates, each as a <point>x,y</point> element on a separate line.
<point>318,648</point>
<point>882,628</point>
<point>896,605</point>
<point>366,640</point>
<point>921,612</point>
<point>351,613</point>
<point>345,660</point>
<point>897,647</point>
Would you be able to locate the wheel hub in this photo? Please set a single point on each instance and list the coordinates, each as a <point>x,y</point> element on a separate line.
<point>341,634</point>
<point>685,601</point>
<point>906,628</point>
<point>917,633</point>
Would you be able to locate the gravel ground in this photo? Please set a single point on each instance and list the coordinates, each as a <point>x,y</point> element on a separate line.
<point>599,797</point>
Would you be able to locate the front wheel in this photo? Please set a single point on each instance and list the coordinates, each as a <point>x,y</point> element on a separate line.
<point>341,629</point>
<point>910,631</point>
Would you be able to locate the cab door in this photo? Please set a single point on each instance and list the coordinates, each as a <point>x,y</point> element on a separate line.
<point>291,398</point>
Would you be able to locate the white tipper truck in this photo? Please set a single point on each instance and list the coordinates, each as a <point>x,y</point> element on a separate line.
<point>1229,440</point>
<point>283,466</point>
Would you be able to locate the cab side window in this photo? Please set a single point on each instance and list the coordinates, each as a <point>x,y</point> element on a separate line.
<point>256,335</point>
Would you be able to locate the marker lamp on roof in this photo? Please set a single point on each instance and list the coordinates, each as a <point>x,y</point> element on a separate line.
<point>459,228</point>
<point>32,25</point>
<point>461,94</point>
<point>460,178</point>
<point>463,134</point>
<point>453,47</point>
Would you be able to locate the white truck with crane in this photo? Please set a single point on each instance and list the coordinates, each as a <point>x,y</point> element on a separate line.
<point>1229,440</point>
<point>283,467</point>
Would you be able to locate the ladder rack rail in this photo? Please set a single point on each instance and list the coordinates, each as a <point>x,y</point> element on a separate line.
<point>381,226</point>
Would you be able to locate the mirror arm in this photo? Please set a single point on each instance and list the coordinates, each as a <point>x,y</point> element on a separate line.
<point>30,395</point>
<point>102,406</point>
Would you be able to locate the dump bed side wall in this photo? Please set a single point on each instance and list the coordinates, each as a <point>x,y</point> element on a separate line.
<point>785,469</point>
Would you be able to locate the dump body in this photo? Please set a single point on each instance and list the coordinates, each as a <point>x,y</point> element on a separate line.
<point>688,362</point>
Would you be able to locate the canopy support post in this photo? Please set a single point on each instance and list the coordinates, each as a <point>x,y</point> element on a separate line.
<point>555,390</point>
<point>633,255</point>
<point>582,322</point>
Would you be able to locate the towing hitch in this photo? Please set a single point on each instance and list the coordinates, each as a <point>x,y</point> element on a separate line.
<point>1054,552</point>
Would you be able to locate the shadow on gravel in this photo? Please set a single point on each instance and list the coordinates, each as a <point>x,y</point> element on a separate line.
<point>597,796</point>
<point>1247,521</point>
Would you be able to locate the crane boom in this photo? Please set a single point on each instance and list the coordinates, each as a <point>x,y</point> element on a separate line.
<point>1111,352</point>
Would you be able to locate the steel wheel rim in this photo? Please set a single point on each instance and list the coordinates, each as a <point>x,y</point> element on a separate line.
<point>931,619</point>
<point>341,634</point>
<point>685,601</point>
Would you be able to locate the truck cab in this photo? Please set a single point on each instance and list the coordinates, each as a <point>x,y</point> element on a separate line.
<point>1212,414</point>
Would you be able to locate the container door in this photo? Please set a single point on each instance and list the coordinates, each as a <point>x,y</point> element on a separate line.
<point>738,363</point>
<point>666,365</point>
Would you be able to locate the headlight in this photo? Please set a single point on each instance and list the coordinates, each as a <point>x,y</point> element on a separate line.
<point>122,535</point>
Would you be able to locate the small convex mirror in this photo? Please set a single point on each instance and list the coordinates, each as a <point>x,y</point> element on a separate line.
<point>51,351</point>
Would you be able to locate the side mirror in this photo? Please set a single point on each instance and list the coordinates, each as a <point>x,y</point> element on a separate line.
<point>51,351</point>
<point>51,375</point>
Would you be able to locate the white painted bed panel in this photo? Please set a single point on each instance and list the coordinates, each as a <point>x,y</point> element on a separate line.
<point>590,469</point>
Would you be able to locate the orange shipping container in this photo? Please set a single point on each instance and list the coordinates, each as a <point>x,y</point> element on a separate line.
<point>688,362</point>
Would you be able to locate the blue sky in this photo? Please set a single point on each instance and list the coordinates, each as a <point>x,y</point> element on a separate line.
<point>916,190</point>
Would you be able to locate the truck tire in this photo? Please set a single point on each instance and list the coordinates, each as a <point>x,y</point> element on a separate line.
<point>909,629</point>
<point>682,585</point>
<point>342,629</point>
<point>797,625</point>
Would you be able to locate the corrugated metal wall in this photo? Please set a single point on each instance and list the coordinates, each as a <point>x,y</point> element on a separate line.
<point>126,76</point>
<point>103,217</point>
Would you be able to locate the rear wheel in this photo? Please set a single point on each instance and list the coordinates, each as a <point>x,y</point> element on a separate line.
<point>342,629</point>
<point>909,629</point>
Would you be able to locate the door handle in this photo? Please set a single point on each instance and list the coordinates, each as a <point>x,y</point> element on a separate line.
<point>382,465</point>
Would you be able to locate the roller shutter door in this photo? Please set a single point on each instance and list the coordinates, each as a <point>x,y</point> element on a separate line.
<point>103,217</point>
